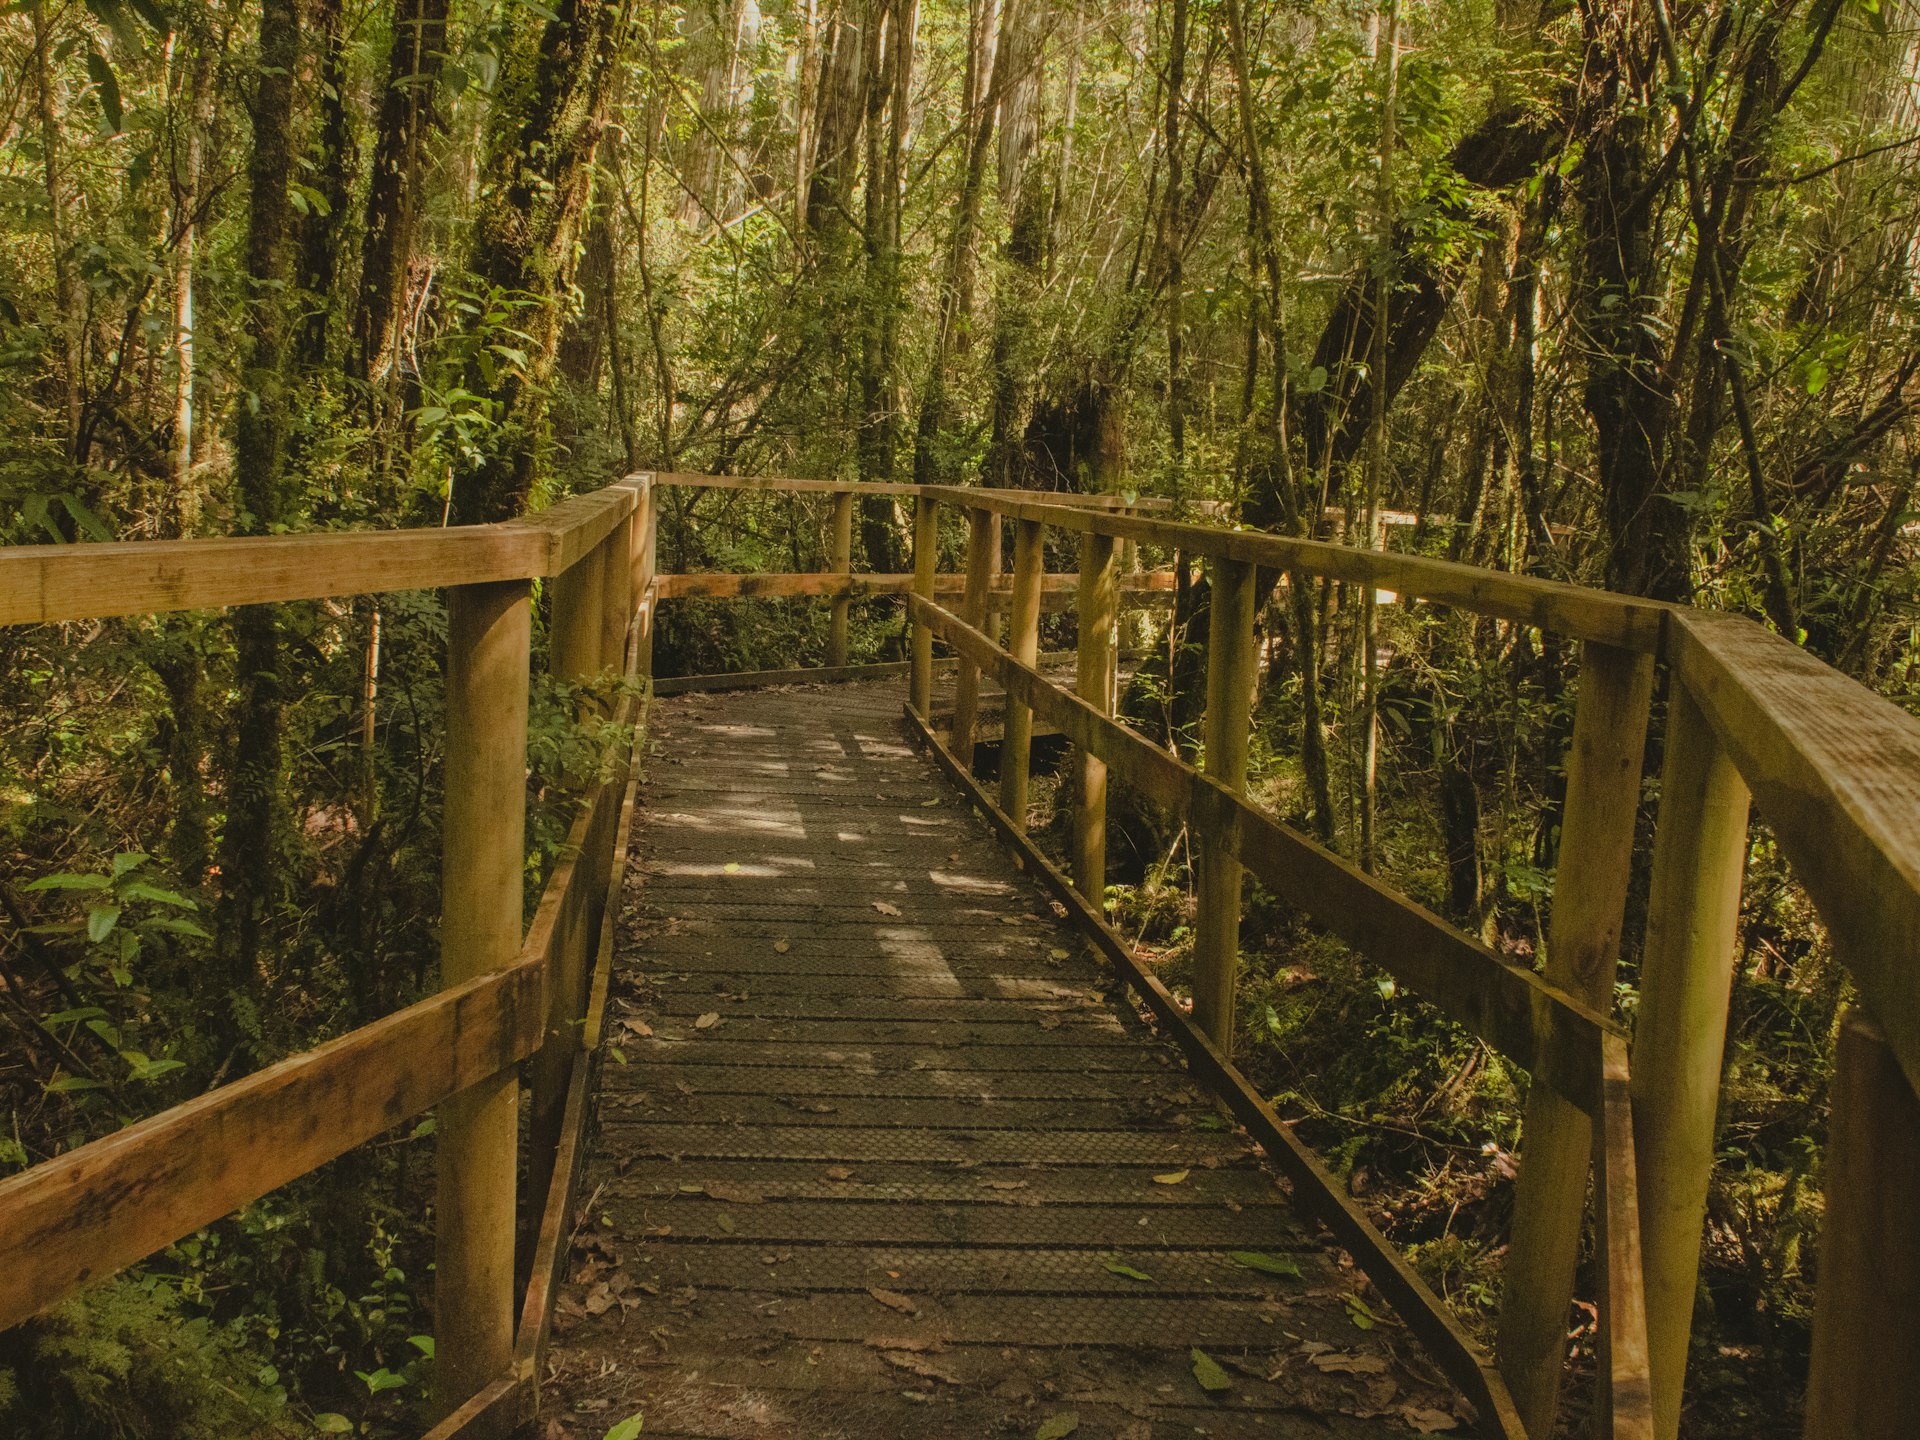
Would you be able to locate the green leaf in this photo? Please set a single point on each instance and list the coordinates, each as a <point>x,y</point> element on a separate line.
<point>107,86</point>
<point>381,1379</point>
<point>177,927</point>
<point>1058,1427</point>
<point>67,1083</point>
<point>128,860</point>
<point>422,1343</point>
<point>1359,1313</point>
<point>64,881</point>
<point>1267,1264</point>
<point>625,1430</point>
<point>1207,1371</point>
<point>141,890</point>
<point>145,1069</point>
<point>100,922</point>
<point>1119,1268</point>
<point>332,1424</point>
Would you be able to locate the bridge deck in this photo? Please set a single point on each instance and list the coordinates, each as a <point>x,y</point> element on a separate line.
<point>884,1159</point>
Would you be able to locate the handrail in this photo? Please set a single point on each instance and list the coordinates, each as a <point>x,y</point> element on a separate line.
<point>1830,765</point>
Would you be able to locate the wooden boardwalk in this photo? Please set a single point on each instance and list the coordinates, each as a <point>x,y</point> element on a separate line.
<point>884,1158</point>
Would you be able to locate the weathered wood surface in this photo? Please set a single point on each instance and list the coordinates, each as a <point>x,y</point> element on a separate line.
<point>1539,1025</point>
<point>1833,769</point>
<point>1576,610</point>
<point>1314,1188</point>
<point>98,1209</point>
<point>934,1105</point>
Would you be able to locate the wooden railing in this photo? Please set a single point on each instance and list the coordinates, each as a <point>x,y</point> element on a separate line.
<point>511,1001</point>
<point>1832,767</point>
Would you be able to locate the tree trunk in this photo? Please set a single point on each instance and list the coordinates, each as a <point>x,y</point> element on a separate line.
<point>251,861</point>
<point>556,92</point>
<point>408,117</point>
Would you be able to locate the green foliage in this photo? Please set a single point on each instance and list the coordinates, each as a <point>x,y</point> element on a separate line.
<point>129,1361</point>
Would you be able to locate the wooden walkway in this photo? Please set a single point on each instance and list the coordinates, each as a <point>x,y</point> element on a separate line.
<point>883,1158</point>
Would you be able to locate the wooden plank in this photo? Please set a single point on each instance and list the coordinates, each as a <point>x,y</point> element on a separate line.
<point>1831,766</point>
<point>839,562</point>
<point>1625,1392</point>
<point>824,585</point>
<point>1587,614</point>
<point>492,1414</point>
<point>926,559</point>
<point>1680,1027</point>
<point>42,584</point>
<point>575,527</point>
<point>95,1210</point>
<point>616,594</point>
<point>983,559</point>
<point>1537,1024</point>
<point>1314,1189</point>
<point>1062,498</point>
<point>483,859</point>
<point>1095,675</point>
<point>816,675</point>
<point>1023,641</point>
<point>1864,1384</point>
<point>1231,665</point>
<point>1604,763</point>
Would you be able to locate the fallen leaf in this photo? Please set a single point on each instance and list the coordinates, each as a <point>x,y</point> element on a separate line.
<point>1058,1427</point>
<point>1267,1264</point>
<point>1359,1313</point>
<point>637,1028</point>
<point>1012,919</point>
<point>894,1300</point>
<point>1341,1362</point>
<point>1428,1421</point>
<point>914,1365</point>
<point>1172,1178</point>
<point>781,947</point>
<point>1207,1371</point>
<point>839,1172</point>
<point>707,1021</point>
<point>1057,954</point>
<point>929,804</point>
<point>1003,1184</point>
<point>736,1194</point>
<point>1128,1272</point>
<point>886,909</point>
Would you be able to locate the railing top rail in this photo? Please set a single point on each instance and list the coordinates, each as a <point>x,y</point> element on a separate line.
<point>41,584</point>
<point>1577,610</point>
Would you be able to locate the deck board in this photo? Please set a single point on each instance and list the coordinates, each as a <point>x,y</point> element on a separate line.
<point>915,1081</point>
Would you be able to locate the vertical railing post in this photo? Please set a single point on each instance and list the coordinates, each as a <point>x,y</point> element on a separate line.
<point>574,638</point>
<point>926,555</point>
<point>1680,1028</point>
<point>577,636</point>
<point>983,544</point>
<point>616,596</point>
<point>840,562</point>
<point>1583,950</point>
<point>1864,1383</point>
<point>489,641</point>
<point>1094,678</point>
<point>1230,685</point>
<point>642,564</point>
<point>1023,643</point>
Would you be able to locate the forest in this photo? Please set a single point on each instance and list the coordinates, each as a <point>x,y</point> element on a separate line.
<point>1619,292</point>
